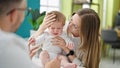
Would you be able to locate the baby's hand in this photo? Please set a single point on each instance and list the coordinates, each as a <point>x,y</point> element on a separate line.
<point>70,45</point>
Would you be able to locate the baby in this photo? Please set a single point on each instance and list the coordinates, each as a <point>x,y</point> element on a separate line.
<point>50,51</point>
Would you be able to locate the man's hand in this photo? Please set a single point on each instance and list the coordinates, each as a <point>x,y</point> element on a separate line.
<point>32,48</point>
<point>55,63</point>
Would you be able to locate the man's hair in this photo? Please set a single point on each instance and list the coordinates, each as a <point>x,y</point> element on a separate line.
<point>59,16</point>
<point>7,5</point>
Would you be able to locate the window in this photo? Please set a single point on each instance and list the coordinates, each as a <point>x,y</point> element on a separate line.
<point>47,5</point>
<point>86,6</point>
<point>85,3</point>
<point>82,1</point>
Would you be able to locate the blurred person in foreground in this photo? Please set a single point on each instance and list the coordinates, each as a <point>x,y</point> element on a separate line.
<point>13,50</point>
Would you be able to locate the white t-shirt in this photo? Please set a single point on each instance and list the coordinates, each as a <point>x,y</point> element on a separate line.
<point>13,52</point>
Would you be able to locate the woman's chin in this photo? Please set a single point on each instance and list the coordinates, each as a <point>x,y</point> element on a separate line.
<point>76,35</point>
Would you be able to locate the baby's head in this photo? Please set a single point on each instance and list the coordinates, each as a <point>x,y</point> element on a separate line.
<point>56,28</point>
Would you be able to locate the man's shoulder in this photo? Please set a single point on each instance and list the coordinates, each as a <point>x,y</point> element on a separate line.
<point>12,39</point>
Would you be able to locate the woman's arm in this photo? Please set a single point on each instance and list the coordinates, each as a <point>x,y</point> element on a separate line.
<point>62,44</point>
<point>48,20</point>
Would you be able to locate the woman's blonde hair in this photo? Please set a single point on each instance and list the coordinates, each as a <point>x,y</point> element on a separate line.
<point>89,31</point>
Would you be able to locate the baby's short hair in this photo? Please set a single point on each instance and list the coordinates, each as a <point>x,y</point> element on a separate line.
<point>59,16</point>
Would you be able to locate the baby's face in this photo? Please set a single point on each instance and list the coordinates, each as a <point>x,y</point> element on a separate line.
<point>56,29</point>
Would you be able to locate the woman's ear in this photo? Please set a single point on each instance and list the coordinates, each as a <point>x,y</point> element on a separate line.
<point>13,16</point>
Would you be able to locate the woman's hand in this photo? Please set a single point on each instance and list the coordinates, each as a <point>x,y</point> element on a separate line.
<point>55,63</point>
<point>62,44</point>
<point>48,20</point>
<point>59,42</point>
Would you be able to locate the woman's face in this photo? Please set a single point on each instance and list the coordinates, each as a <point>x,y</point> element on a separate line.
<point>74,25</point>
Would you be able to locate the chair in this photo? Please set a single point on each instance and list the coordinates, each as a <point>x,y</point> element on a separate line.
<point>117,20</point>
<point>110,37</point>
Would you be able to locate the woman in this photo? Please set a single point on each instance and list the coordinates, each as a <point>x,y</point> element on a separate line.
<point>84,25</point>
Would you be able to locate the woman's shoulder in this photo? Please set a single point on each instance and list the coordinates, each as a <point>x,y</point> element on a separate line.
<point>81,56</point>
<point>81,53</point>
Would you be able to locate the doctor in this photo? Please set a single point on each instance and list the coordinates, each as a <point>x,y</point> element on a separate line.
<point>13,52</point>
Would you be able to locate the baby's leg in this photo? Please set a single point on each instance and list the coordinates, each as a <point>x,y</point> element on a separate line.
<point>65,63</point>
<point>44,57</point>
